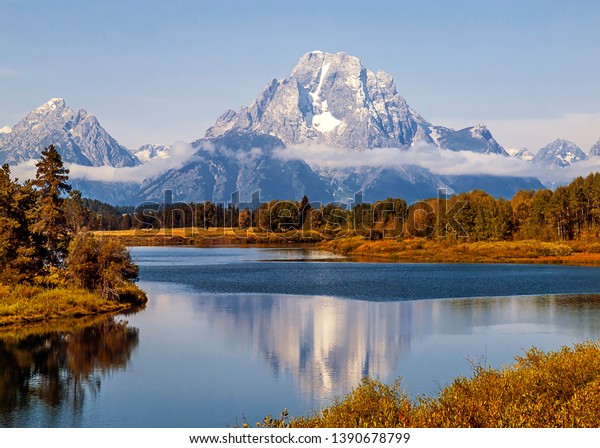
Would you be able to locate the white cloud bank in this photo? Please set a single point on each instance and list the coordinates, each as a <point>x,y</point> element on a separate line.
<point>180,153</point>
<point>438,161</point>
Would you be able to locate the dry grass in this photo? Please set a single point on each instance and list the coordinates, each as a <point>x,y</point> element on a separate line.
<point>203,238</point>
<point>423,250</point>
<point>23,304</point>
<point>540,390</point>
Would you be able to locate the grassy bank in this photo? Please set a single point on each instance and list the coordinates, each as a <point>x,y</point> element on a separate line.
<point>24,304</point>
<point>540,390</point>
<point>430,251</point>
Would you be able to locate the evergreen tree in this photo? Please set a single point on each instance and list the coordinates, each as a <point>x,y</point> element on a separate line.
<point>51,183</point>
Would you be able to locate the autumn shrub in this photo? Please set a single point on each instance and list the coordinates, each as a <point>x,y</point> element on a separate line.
<point>102,265</point>
<point>540,390</point>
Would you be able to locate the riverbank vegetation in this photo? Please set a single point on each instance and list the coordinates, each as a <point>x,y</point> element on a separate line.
<point>540,390</point>
<point>534,226</point>
<point>50,264</point>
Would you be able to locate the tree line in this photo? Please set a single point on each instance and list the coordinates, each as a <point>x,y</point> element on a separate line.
<point>568,213</point>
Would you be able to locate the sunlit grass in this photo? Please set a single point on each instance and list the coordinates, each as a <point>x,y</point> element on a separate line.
<point>22,304</point>
<point>425,250</point>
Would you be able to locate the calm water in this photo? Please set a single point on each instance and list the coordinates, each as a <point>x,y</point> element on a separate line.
<point>232,334</point>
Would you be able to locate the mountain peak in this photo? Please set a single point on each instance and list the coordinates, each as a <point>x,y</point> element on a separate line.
<point>51,105</point>
<point>78,137</point>
<point>332,98</point>
<point>329,98</point>
<point>560,153</point>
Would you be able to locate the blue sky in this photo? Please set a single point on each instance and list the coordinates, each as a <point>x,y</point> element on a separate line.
<point>158,71</point>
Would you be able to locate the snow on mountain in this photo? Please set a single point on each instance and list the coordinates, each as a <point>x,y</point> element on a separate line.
<point>77,135</point>
<point>333,99</point>
<point>559,153</point>
<point>595,149</point>
<point>149,152</point>
<point>5,130</point>
<point>522,153</point>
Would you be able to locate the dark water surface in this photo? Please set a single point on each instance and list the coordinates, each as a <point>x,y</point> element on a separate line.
<point>232,334</point>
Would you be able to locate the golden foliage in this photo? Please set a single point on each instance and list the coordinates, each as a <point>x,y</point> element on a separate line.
<point>540,390</point>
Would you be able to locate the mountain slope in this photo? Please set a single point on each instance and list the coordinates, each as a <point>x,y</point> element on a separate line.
<point>238,162</point>
<point>78,136</point>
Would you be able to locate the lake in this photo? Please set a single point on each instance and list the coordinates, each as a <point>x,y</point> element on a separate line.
<point>233,334</point>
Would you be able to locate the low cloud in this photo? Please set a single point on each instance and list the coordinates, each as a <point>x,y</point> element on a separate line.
<point>180,153</point>
<point>436,160</point>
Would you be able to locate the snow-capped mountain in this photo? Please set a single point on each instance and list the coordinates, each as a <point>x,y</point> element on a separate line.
<point>149,152</point>
<point>5,130</point>
<point>77,135</point>
<point>333,99</point>
<point>595,149</point>
<point>559,153</point>
<point>522,153</point>
<point>329,99</point>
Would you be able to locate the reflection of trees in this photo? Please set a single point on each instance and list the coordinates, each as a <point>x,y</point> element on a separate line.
<point>56,370</point>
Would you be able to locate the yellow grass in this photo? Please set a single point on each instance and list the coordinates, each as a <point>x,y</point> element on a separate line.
<point>424,250</point>
<point>23,304</point>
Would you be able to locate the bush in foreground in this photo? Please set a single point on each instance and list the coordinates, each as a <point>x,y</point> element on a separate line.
<point>540,390</point>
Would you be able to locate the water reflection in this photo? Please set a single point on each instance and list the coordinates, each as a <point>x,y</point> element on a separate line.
<point>329,344</point>
<point>45,377</point>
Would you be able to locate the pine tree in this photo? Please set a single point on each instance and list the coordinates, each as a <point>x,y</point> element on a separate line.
<point>304,210</point>
<point>51,183</point>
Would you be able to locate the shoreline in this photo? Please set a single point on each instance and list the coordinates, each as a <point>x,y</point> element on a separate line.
<point>497,252</point>
<point>360,249</point>
<point>23,305</point>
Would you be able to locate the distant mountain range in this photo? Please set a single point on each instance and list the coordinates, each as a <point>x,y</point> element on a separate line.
<point>329,101</point>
